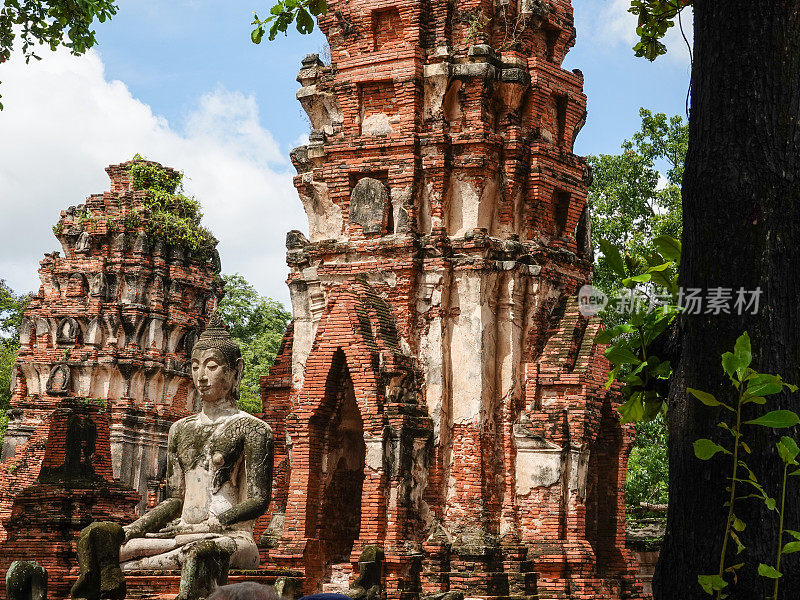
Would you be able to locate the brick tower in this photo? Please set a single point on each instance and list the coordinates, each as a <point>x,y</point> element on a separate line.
<point>101,373</point>
<point>439,393</point>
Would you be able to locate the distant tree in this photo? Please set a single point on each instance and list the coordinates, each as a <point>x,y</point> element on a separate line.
<point>631,201</point>
<point>51,23</point>
<point>258,324</point>
<point>12,308</point>
<point>648,466</point>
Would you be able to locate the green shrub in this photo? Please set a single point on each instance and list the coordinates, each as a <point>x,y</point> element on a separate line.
<point>174,217</point>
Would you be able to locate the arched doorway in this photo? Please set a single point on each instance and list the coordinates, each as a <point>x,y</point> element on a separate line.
<point>341,464</point>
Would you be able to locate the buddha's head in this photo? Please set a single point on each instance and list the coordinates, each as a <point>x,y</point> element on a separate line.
<point>217,363</point>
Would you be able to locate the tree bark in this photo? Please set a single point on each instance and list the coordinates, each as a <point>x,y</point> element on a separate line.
<point>741,228</point>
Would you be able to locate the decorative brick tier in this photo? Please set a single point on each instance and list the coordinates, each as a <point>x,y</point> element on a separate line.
<point>438,393</point>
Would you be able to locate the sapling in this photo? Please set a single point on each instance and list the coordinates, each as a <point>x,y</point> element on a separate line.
<point>751,388</point>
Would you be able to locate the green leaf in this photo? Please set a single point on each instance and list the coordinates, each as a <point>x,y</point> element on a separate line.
<point>705,449</point>
<point>704,397</point>
<point>788,450</point>
<point>612,375</point>
<point>621,356</point>
<point>305,22</point>
<point>729,364</point>
<point>791,547</point>
<point>652,408</point>
<point>743,353</point>
<point>605,337</point>
<point>632,410</point>
<point>257,34</point>
<point>633,380</point>
<point>663,370</point>
<point>711,583</point>
<point>738,524</point>
<point>793,533</point>
<point>770,503</point>
<point>317,7</point>
<point>769,572</point>
<point>668,247</point>
<point>753,400</point>
<point>777,419</point>
<point>612,255</point>
<point>764,385</point>
<point>661,267</point>
<point>631,281</point>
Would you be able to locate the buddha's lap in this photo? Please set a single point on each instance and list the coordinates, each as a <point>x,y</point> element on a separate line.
<point>170,553</point>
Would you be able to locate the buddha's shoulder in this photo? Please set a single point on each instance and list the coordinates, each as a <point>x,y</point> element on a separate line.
<point>183,423</point>
<point>246,422</point>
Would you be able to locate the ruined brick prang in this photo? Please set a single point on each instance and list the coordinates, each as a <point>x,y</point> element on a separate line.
<point>439,393</point>
<point>102,372</point>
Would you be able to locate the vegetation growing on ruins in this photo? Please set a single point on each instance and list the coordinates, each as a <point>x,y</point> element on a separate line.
<point>257,323</point>
<point>171,215</point>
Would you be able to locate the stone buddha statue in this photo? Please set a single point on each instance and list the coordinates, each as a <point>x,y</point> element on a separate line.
<point>219,476</point>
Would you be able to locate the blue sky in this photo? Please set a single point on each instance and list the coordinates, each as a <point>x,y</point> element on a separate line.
<point>169,53</point>
<point>180,82</point>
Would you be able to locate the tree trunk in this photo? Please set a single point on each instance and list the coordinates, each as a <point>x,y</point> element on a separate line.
<point>741,228</point>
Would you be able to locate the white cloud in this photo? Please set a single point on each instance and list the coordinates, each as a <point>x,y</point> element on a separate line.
<point>300,140</point>
<point>609,24</point>
<point>64,122</point>
<point>616,25</point>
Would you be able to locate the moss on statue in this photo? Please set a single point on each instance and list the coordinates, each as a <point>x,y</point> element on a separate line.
<point>367,585</point>
<point>98,555</point>
<point>26,580</point>
<point>205,570</point>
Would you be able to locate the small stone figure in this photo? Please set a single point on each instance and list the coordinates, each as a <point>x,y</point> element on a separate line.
<point>26,580</point>
<point>369,206</point>
<point>67,332</point>
<point>59,380</point>
<point>84,243</point>
<point>219,475</point>
<point>367,585</point>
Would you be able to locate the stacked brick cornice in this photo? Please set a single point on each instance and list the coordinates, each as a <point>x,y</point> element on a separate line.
<point>440,180</point>
<point>109,332</point>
